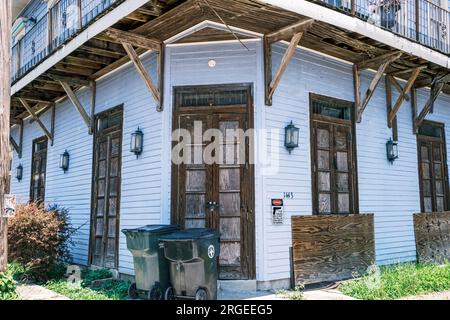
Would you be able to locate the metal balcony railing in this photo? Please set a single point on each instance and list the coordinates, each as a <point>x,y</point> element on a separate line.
<point>61,23</point>
<point>418,20</point>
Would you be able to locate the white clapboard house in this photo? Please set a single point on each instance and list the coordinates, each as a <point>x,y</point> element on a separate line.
<point>344,105</point>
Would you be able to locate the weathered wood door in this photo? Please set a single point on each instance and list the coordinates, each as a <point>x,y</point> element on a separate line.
<point>433,178</point>
<point>106,189</point>
<point>333,157</point>
<point>217,193</point>
<point>38,169</point>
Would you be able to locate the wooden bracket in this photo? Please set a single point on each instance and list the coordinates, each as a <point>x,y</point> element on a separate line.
<point>293,32</point>
<point>144,74</point>
<point>134,39</point>
<point>436,88</point>
<point>93,86</point>
<point>403,94</point>
<point>76,103</point>
<point>391,124</point>
<point>386,59</point>
<point>47,133</point>
<point>414,109</point>
<point>18,146</point>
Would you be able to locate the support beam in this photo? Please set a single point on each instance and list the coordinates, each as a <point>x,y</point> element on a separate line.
<point>15,145</point>
<point>357,89</point>
<point>161,62</point>
<point>92,111</point>
<point>290,51</point>
<point>72,80</point>
<point>41,108</point>
<point>267,48</point>
<point>52,123</point>
<point>403,94</point>
<point>392,124</point>
<point>134,39</point>
<point>397,86</point>
<point>143,73</point>
<point>38,121</point>
<point>373,85</point>
<point>436,88</point>
<point>76,103</point>
<point>287,32</point>
<point>414,109</point>
<point>374,62</point>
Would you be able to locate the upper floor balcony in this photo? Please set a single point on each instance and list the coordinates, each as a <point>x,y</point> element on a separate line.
<point>62,22</point>
<point>422,21</point>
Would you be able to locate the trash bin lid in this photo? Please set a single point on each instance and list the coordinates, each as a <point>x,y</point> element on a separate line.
<point>154,228</point>
<point>191,234</point>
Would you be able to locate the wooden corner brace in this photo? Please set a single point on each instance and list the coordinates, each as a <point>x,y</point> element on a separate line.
<point>385,61</point>
<point>18,146</point>
<point>134,57</point>
<point>128,40</point>
<point>403,94</point>
<point>77,104</point>
<point>295,32</point>
<point>27,107</point>
<point>436,88</point>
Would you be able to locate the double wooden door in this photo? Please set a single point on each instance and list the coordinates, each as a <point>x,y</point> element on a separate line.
<point>214,188</point>
<point>432,168</point>
<point>106,189</point>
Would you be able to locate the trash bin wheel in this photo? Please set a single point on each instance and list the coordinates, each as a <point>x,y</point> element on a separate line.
<point>201,294</point>
<point>132,291</point>
<point>169,294</point>
<point>155,293</point>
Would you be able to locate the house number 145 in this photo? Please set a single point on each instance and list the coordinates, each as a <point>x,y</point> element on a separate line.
<point>288,195</point>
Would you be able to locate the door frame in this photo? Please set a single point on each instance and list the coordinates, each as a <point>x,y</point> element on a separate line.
<point>93,187</point>
<point>420,138</point>
<point>174,214</point>
<point>33,152</point>
<point>326,119</point>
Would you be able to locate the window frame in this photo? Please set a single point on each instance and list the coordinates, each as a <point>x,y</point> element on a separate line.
<point>32,183</point>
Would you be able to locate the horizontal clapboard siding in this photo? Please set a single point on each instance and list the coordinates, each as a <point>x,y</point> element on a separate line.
<point>141,178</point>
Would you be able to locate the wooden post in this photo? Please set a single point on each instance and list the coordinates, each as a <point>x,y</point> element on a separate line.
<point>353,7</point>
<point>417,20</point>
<point>5,103</point>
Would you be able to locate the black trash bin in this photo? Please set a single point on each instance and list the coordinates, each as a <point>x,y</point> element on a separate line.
<point>150,267</point>
<point>193,256</point>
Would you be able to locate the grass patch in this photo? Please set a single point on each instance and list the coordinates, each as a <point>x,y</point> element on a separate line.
<point>397,281</point>
<point>110,289</point>
<point>8,285</point>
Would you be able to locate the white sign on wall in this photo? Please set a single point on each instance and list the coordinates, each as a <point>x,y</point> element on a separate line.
<point>9,208</point>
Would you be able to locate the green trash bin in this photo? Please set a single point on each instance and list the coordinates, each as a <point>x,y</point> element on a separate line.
<point>150,268</point>
<point>193,256</point>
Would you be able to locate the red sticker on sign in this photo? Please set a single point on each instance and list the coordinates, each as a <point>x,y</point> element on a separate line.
<point>277,202</point>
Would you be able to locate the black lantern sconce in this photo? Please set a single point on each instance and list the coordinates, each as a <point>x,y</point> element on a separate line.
<point>137,142</point>
<point>291,137</point>
<point>19,172</point>
<point>391,150</point>
<point>64,161</point>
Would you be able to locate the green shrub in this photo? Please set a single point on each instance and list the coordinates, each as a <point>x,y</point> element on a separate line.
<point>39,238</point>
<point>7,286</point>
<point>401,280</point>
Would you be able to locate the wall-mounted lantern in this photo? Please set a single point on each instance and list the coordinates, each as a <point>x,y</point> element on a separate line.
<point>291,137</point>
<point>64,161</point>
<point>19,172</point>
<point>137,142</point>
<point>391,150</point>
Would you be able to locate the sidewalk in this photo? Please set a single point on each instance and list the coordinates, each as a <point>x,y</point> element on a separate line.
<point>35,292</point>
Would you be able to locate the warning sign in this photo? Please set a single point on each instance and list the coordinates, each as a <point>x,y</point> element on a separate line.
<point>9,208</point>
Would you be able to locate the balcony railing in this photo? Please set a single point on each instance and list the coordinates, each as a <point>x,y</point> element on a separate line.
<point>61,23</point>
<point>418,20</point>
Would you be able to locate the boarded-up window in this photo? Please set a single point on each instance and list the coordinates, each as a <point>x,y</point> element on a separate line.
<point>433,178</point>
<point>333,156</point>
<point>38,169</point>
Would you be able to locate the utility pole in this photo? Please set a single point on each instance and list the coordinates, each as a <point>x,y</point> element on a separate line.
<point>5,103</point>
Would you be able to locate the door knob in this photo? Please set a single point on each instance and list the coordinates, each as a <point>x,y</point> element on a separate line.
<point>212,205</point>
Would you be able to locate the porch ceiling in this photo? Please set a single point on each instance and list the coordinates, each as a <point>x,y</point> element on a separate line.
<point>102,54</point>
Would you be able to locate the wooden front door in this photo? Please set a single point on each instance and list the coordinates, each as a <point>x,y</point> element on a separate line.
<point>433,178</point>
<point>38,169</point>
<point>106,189</point>
<point>333,156</point>
<point>218,192</point>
